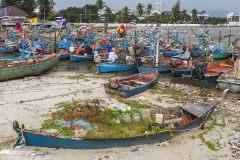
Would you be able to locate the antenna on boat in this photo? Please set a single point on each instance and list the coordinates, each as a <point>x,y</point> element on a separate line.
<point>229,37</point>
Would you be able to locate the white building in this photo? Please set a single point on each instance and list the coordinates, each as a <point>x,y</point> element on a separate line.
<point>233,19</point>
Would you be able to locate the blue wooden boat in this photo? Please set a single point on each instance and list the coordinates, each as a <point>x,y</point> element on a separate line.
<point>149,68</point>
<point>63,57</point>
<point>4,50</point>
<point>132,85</point>
<point>183,68</point>
<point>82,58</point>
<point>173,53</point>
<point>64,54</point>
<point>187,118</point>
<point>197,53</point>
<point>28,52</point>
<point>108,67</point>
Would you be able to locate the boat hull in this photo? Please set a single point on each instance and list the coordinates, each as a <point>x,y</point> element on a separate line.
<point>197,53</point>
<point>206,80</point>
<point>107,68</point>
<point>160,69</point>
<point>32,69</point>
<point>78,58</point>
<point>5,51</point>
<point>201,111</point>
<point>63,57</point>
<point>130,92</point>
<point>38,140</point>
<point>233,87</point>
<point>172,54</point>
<point>181,73</point>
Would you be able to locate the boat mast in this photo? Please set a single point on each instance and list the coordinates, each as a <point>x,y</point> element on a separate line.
<point>157,51</point>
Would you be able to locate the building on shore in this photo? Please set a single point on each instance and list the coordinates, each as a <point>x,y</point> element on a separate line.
<point>10,14</point>
<point>233,19</point>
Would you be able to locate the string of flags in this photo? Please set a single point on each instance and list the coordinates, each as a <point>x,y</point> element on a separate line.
<point>133,22</point>
<point>103,19</point>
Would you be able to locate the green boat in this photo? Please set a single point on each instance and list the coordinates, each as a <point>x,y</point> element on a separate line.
<point>29,67</point>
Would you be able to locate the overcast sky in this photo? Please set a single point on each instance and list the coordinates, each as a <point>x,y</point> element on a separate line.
<point>228,5</point>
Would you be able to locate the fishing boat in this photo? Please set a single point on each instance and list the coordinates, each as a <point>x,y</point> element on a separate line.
<point>182,119</point>
<point>108,67</point>
<point>228,80</point>
<point>82,54</point>
<point>64,55</point>
<point>4,50</point>
<point>82,58</point>
<point>28,67</point>
<point>148,68</point>
<point>222,55</point>
<point>184,65</point>
<point>182,69</point>
<point>208,73</point>
<point>173,53</point>
<point>197,53</point>
<point>132,85</point>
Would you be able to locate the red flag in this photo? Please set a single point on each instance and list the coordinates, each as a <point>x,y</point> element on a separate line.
<point>18,27</point>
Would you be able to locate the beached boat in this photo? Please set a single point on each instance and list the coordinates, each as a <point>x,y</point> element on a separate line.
<point>208,73</point>
<point>4,50</point>
<point>28,67</point>
<point>64,54</point>
<point>197,53</point>
<point>82,58</point>
<point>182,119</point>
<point>173,53</point>
<point>148,68</point>
<point>164,65</point>
<point>227,80</point>
<point>108,67</point>
<point>132,85</point>
<point>82,54</point>
<point>182,69</point>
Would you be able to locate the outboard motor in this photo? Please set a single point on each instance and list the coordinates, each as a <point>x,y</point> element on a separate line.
<point>15,125</point>
<point>199,70</point>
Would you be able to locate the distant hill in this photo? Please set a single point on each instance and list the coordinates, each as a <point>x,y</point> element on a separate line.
<point>218,13</point>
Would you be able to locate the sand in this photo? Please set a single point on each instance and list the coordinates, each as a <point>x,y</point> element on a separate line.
<point>31,101</point>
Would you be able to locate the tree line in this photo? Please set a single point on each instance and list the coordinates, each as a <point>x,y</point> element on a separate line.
<point>90,13</point>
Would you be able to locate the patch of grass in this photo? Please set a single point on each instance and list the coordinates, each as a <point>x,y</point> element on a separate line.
<point>62,108</point>
<point>49,124</point>
<point>95,101</point>
<point>208,143</point>
<point>66,131</point>
<point>193,137</point>
<point>78,76</point>
<point>174,93</point>
<point>122,130</point>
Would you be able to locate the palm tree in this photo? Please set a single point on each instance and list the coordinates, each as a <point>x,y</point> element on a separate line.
<point>125,13</point>
<point>28,6</point>
<point>140,9</point>
<point>149,9</point>
<point>45,7</point>
<point>100,5</point>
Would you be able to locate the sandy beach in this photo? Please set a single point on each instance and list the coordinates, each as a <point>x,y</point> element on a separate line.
<point>32,100</point>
